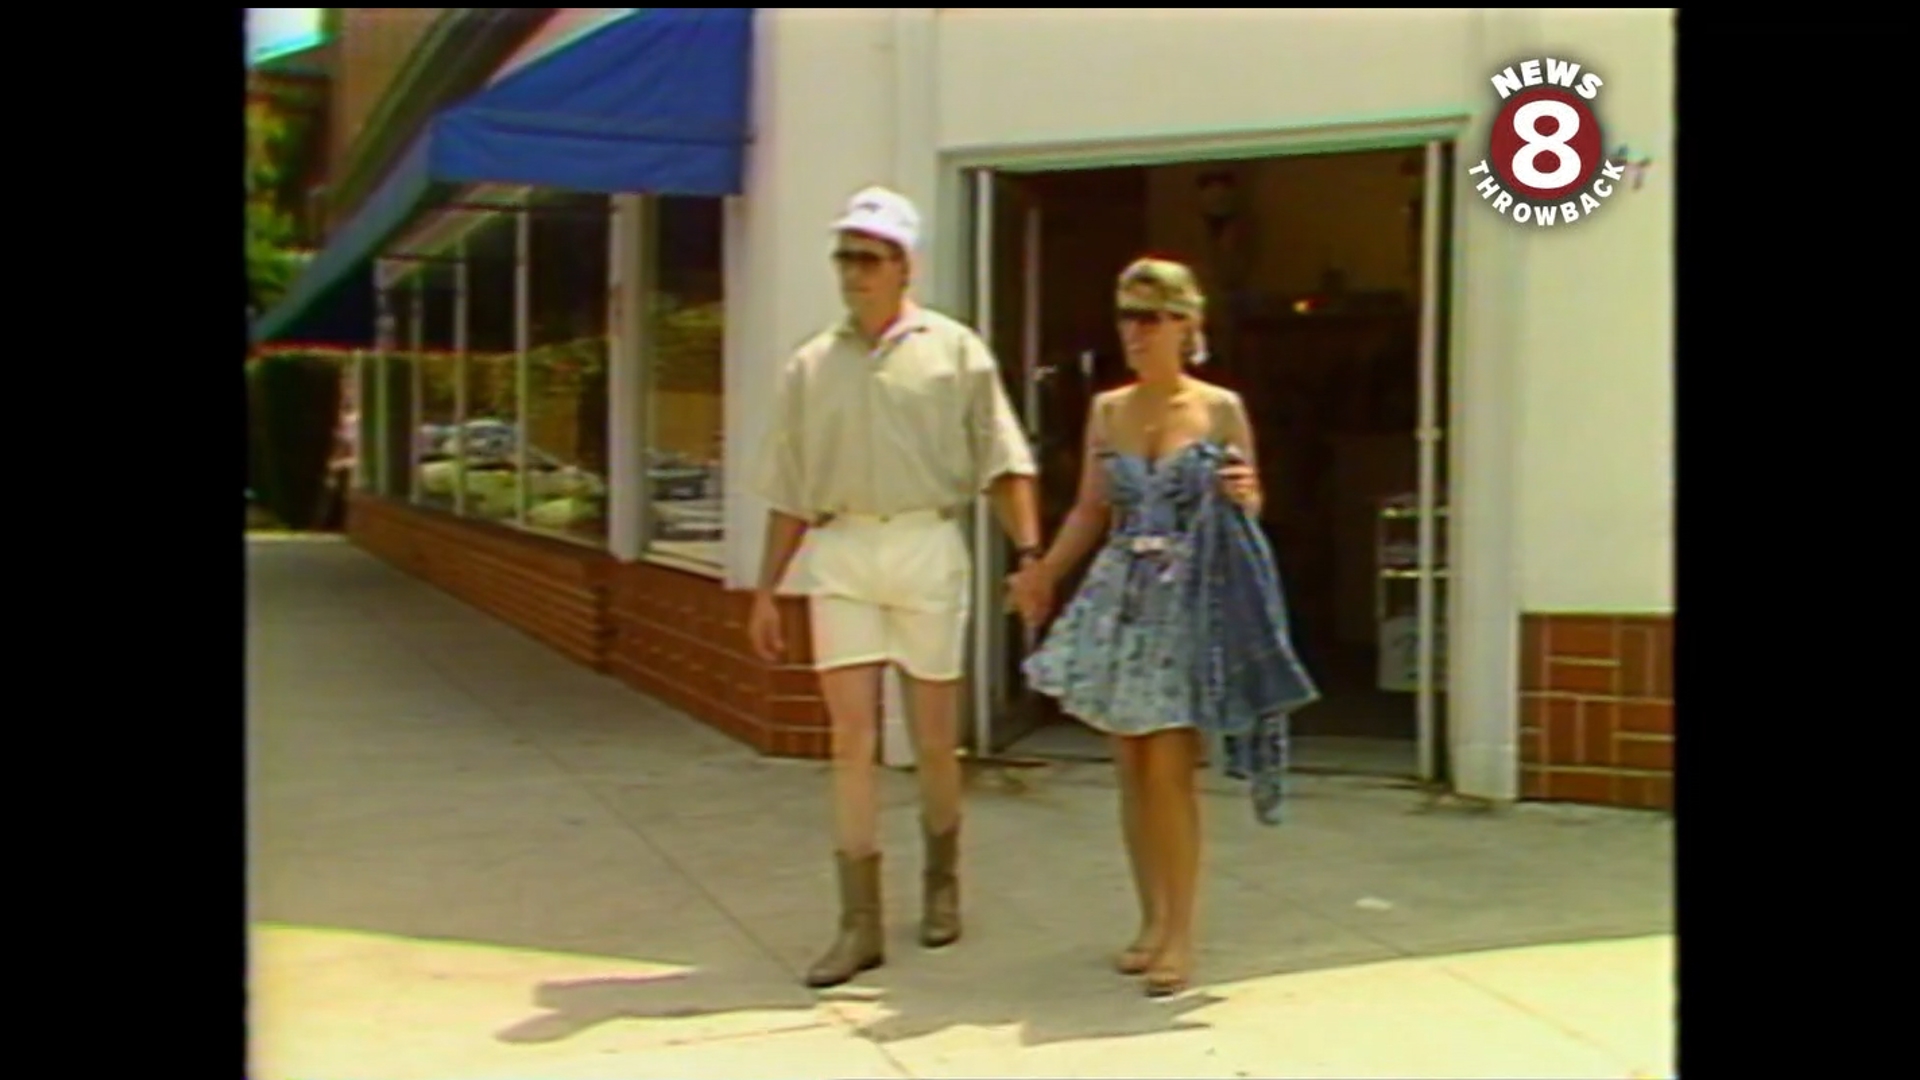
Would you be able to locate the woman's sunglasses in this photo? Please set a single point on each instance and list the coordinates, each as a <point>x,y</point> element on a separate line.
<point>1146,316</point>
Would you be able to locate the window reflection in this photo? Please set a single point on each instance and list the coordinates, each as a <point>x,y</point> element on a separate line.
<point>438,473</point>
<point>491,431</point>
<point>685,421</point>
<point>546,409</point>
<point>567,368</point>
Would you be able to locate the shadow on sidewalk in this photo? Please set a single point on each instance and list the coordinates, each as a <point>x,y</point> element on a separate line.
<point>882,1014</point>
<point>1061,996</point>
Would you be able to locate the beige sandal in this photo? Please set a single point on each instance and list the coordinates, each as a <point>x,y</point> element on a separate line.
<point>1166,980</point>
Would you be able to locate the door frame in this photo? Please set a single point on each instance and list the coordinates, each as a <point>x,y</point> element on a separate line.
<point>993,702</point>
<point>1482,698</point>
<point>1429,432</point>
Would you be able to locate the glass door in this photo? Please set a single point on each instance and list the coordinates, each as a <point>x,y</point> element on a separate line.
<point>1006,308</point>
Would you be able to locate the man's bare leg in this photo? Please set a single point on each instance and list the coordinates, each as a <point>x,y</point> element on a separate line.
<point>934,717</point>
<point>852,696</point>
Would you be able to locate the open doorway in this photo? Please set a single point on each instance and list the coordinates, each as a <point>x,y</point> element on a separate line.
<point>1326,313</point>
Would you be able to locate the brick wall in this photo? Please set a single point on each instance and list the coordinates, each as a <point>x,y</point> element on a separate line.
<point>677,635</point>
<point>682,637</point>
<point>553,591</point>
<point>1596,709</point>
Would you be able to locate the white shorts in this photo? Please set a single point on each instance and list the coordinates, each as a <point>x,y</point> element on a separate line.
<point>893,589</point>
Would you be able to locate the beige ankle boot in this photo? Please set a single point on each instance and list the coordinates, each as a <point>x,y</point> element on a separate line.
<point>860,945</point>
<point>940,886</point>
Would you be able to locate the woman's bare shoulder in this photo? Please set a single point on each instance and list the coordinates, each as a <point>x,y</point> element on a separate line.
<point>1215,394</point>
<point>1104,402</point>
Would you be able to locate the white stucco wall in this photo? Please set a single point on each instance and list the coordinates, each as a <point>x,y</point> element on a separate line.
<point>1595,447</point>
<point>1027,76</point>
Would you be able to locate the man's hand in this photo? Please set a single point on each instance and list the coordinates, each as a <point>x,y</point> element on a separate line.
<point>763,629</point>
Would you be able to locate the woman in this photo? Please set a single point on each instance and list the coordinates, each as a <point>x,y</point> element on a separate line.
<point>1127,657</point>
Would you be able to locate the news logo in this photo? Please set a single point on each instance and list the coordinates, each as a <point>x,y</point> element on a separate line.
<point>1546,164</point>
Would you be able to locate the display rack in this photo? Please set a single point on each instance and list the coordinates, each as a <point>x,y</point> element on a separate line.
<point>1396,548</point>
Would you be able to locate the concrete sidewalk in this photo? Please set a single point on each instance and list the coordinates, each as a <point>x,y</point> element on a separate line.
<point>470,859</point>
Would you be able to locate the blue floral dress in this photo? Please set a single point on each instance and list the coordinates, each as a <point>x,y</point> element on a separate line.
<point>1119,658</point>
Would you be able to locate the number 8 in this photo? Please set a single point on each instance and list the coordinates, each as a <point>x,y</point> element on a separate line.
<point>1532,144</point>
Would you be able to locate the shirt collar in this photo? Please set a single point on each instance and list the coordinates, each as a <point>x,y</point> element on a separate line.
<point>913,319</point>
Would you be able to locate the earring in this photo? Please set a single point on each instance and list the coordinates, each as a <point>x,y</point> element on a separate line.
<point>1196,349</point>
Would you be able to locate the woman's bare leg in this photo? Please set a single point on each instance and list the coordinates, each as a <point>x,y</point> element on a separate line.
<point>1172,812</point>
<point>1129,767</point>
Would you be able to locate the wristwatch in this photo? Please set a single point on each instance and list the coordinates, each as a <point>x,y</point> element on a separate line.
<point>1031,552</point>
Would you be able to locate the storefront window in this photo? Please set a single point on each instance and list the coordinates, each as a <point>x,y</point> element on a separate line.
<point>685,420</point>
<point>548,414</point>
<point>438,469</point>
<point>566,406</point>
<point>492,425</point>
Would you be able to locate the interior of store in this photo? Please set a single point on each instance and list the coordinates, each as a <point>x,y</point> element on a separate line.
<point>1312,265</point>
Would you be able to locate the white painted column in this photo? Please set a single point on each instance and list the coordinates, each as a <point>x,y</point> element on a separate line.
<point>627,327</point>
<point>751,359</point>
<point>915,175</point>
<point>1483,439</point>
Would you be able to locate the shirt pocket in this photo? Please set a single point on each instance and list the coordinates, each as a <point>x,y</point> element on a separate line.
<point>926,411</point>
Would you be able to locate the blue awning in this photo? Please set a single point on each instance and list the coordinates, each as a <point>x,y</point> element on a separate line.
<point>653,101</point>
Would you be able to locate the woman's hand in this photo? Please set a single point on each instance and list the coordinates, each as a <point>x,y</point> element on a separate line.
<point>1030,592</point>
<point>1238,482</point>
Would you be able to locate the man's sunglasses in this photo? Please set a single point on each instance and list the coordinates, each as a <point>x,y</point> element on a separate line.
<point>864,260</point>
<point>1146,316</point>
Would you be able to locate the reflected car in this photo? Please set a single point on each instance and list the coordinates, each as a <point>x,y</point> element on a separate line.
<point>674,477</point>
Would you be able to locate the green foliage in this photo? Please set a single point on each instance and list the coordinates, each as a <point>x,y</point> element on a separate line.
<point>269,229</point>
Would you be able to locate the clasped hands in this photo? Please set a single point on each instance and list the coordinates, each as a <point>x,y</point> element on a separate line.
<point>1030,592</point>
<point>1030,589</point>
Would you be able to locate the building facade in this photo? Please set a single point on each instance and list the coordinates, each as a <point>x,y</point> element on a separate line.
<point>575,469</point>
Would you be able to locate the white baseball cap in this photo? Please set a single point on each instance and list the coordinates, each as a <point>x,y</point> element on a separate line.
<point>886,214</point>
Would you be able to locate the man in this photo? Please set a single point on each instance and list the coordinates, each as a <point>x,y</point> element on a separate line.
<point>885,427</point>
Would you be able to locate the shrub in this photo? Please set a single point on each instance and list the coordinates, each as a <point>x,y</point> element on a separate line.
<point>294,413</point>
